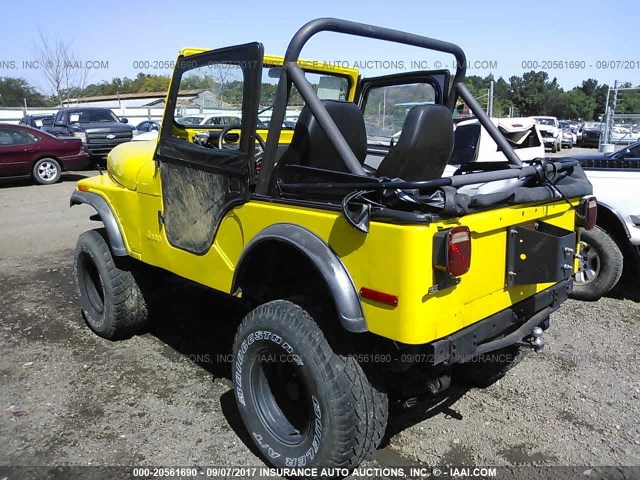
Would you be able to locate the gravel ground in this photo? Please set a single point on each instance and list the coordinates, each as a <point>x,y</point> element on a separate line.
<point>68,397</point>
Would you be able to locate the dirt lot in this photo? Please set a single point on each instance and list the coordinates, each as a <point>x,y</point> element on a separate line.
<point>68,397</point>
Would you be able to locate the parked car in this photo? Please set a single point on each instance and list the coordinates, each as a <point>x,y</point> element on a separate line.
<point>572,127</point>
<point>99,129</point>
<point>567,138</point>
<point>590,134</point>
<point>621,135</point>
<point>28,151</point>
<point>143,137</point>
<point>214,119</point>
<point>613,246</point>
<point>147,126</point>
<point>551,132</point>
<point>42,122</point>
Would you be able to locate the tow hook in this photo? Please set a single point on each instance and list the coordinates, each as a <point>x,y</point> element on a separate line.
<point>536,339</point>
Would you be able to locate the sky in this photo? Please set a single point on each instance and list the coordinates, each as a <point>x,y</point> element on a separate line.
<point>589,39</point>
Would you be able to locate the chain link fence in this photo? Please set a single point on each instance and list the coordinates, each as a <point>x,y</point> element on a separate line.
<point>621,129</point>
<point>621,121</point>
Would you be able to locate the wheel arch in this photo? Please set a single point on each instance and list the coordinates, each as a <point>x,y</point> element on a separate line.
<point>42,156</point>
<point>284,239</point>
<point>611,221</point>
<point>116,240</point>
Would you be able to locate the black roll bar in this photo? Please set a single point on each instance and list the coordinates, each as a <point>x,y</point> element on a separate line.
<point>488,125</point>
<point>292,73</point>
<point>455,181</point>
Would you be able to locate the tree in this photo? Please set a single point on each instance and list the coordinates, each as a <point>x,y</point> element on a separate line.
<point>63,72</point>
<point>14,92</point>
<point>534,93</point>
<point>578,104</point>
<point>598,93</point>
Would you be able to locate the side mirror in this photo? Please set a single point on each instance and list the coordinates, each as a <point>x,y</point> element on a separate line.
<point>124,120</point>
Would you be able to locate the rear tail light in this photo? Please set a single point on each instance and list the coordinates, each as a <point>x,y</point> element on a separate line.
<point>458,251</point>
<point>452,251</point>
<point>588,212</point>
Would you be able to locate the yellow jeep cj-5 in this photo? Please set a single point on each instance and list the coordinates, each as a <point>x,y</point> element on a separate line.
<point>316,197</point>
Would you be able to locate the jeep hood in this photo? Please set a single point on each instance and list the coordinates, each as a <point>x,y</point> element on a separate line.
<point>127,159</point>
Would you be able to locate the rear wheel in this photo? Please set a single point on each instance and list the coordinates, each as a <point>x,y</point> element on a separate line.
<point>303,404</point>
<point>46,171</point>
<point>110,295</point>
<point>601,265</point>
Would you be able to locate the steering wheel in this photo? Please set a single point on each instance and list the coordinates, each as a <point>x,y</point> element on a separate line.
<point>257,156</point>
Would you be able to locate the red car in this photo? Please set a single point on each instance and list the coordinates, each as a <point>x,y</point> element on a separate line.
<point>29,151</point>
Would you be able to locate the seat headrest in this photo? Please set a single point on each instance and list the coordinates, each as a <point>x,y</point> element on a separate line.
<point>424,146</point>
<point>310,146</point>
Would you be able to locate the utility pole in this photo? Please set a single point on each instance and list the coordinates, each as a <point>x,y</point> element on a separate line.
<point>607,121</point>
<point>490,101</point>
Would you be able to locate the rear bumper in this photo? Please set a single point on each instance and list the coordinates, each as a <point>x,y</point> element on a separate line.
<point>511,325</point>
<point>590,140</point>
<point>75,162</point>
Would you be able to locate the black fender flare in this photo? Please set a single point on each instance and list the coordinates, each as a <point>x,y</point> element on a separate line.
<point>328,264</point>
<point>114,234</point>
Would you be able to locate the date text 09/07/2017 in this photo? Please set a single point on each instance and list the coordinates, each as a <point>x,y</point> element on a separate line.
<point>363,472</point>
<point>580,64</point>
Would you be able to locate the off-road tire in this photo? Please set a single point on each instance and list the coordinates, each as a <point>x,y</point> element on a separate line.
<point>349,413</point>
<point>604,265</point>
<point>487,369</point>
<point>111,298</point>
<point>46,171</point>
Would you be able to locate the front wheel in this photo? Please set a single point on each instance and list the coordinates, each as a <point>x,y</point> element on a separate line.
<point>47,171</point>
<point>601,265</point>
<point>303,404</point>
<point>110,295</point>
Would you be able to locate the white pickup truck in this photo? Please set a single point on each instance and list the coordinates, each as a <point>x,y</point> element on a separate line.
<point>613,246</point>
<point>551,132</point>
<point>610,248</point>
